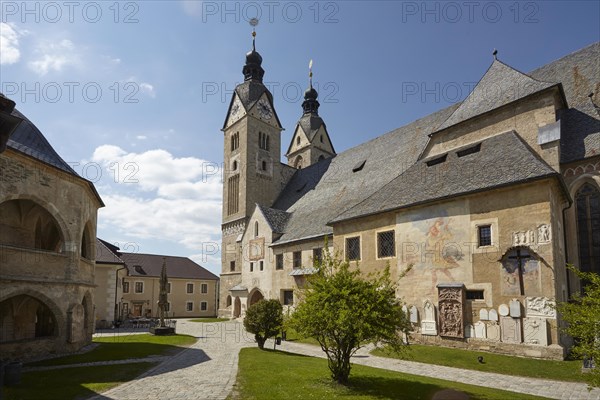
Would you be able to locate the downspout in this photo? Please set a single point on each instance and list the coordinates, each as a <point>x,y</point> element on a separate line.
<point>566,248</point>
<point>116,291</point>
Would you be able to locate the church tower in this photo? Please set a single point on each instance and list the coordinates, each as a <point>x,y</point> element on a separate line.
<point>310,143</point>
<point>251,163</point>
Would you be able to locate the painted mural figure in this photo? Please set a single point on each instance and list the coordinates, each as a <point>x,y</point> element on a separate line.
<point>445,256</point>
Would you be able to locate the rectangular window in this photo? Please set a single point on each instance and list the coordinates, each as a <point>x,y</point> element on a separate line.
<point>474,294</point>
<point>203,306</point>
<point>353,248</point>
<point>189,288</point>
<point>232,266</point>
<point>125,287</point>
<point>262,265</point>
<point>279,261</point>
<point>168,287</point>
<point>317,255</point>
<point>139,287</point>
<point>204,288</point>
<point>251,267</point>
<point>297,262</point>
<point>485,235</point>
<point>288,297</point>
<point>189,306</point>
<point>386,245</point>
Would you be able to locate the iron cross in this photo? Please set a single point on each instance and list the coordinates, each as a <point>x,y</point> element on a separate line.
<point>520,259</point>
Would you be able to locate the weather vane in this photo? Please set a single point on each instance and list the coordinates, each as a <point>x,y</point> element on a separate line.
<point>253,22</point>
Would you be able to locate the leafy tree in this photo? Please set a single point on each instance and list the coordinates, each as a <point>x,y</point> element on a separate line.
<point>264,319</point>
<point>582,315</point>
<point>344,310</point>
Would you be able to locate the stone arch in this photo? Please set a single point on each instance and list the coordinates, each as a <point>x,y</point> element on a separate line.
<point>228,301</point>
<point>31,206</point>
<point>254,296</point>
<point>57,314</point>
<point>87,247</point>
<point>298,162</point>
<point>237,308</point>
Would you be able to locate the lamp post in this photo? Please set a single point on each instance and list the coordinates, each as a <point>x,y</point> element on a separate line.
<point>8,122</point>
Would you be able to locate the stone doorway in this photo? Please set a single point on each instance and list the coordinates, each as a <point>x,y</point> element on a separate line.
<point>237,308</point>
<point>256,296</point>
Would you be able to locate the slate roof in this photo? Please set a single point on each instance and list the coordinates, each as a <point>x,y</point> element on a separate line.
<point>106,253</point>
<point>500,85</point>
<point>321,192</point>
<point>177,267</point>
<point>579,74</point>
<point>28,139</point>
<point>277,219</point>
<point>501,160</point>
<point>318,193</point>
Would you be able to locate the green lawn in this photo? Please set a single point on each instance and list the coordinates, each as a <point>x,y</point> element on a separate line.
<point>125,347</point>
<point>74,383</point>
<point>278,375</point>
<point>557,370</point>
<point>209,320</point>
<point>292,336</point>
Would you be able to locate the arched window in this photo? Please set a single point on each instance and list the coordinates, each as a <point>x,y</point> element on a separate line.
<point>321,157</point>
<point>234,165</point>
<point>587,203</point>
<point>298,162</point>
<point>228,301</point>
<point>321,138</point>
<point>255,228</point>
<point>298,140</point>
<point>268,147</point>
<point>264,165</point>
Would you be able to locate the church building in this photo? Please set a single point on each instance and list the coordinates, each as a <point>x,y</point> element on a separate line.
<point>487,200</point>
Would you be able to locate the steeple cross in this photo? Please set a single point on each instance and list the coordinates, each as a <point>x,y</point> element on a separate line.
<point>520,257</point>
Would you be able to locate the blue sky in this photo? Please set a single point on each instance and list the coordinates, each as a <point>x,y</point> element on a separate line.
<point>133,93</point>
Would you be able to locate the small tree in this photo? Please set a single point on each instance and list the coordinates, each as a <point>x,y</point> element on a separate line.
<point>582,315</point>
<point>264,319</point>
<point>344,310</point>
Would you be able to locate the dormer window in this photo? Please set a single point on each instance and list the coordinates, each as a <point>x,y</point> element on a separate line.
<point>469,150</point>
<point>437,161</point>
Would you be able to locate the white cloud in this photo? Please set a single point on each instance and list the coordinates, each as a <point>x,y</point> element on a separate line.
<point>141,137</point>
<point>147,89</point>
<point>54,56</point>
<point>9,44</point>
<point>160,196</point>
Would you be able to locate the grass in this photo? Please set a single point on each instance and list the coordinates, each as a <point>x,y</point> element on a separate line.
<point>125,347</point>
<point>467,359</point>
<point>209,320</point>
<point>292,336</point>
<point>278,375</point>
<point>74,383</point>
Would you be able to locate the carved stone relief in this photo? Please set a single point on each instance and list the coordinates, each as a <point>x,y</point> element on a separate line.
<point>451,306</point>
<point>540,307</point>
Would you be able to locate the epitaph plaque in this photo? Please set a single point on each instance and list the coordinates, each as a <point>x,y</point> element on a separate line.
<point>480,330</point>
<point>515,308</point>
<point>503,310</point>
<point>535,331</point>
<point>493,331</point>
<point>493,315</point>
<point>510,330</point>
<point>451,299</point>
<point>428,322</point>
<point>484,315</point>
<point>469,331</point>
<point>414,315</point>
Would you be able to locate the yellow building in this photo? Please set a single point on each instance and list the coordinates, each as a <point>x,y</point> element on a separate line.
<point>487,199</point>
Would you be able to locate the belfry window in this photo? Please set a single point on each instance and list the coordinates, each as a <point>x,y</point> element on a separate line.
<point>263,141</point>
<point>587,201</point>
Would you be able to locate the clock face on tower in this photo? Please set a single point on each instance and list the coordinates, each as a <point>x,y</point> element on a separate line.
<point>236,112</point>
<point>264,109</point>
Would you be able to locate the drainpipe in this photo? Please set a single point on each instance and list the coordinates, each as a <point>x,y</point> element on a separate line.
<point>566,248</point>
<point>116,286</point>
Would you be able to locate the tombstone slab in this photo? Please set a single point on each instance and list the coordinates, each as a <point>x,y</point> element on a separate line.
<point>540,307</point>
<point>469,331</point>
<point>451,299</point>
<point>503,310</point>
<point>515,308</point>
<point>493,331</point>
<point>484,315</point>
<point>414,315</point>
<point>535,331</point>
<point>493,316</point>
<point>480,330</point>
<point>511,330</point>
<point>428,322</point>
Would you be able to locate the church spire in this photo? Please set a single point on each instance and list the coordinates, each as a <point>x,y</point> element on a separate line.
<point>253,70</point>
<point>310,105</point>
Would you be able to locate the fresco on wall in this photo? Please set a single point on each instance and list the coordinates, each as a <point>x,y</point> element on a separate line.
<point>511,281</point>
<point>436,242</point>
